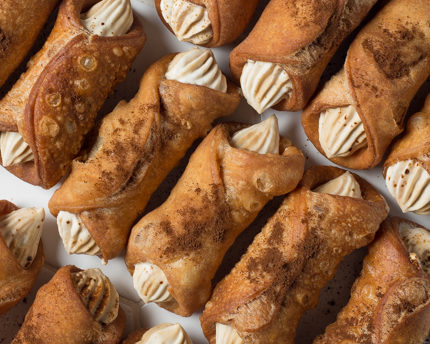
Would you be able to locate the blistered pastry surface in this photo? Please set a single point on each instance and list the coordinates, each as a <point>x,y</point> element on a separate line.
<point>262,138</point>
<point>189,22</point>
<point>98,294</point>
<point>341,131</point>
<point>76,237</point>
<point>166,334</point>
<point>265,84</point>
<point>345,185</point>
<point>14,149</point>
<point>197,67</point>
<point>108,18</point>
<point>409,183</point>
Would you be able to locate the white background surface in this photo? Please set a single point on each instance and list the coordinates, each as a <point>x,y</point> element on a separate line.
<point>161,42</point>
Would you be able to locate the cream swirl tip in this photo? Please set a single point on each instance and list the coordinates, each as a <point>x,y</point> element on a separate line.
<point>98,294</point>
<point>13,148</point>
<point>188,21</point>
<point>265,84</point>
<point>166,334</point>
<point>417,241</point>
<point>22,229</point>
<point>76,237</point>
<point>409,183</point>
<point>227,334</point>
<point>197,67</point>
<point>108,18</point>
<point>341,132</point>
<point>344,185</point>
<point>151,283</point>
<point>262,138</point>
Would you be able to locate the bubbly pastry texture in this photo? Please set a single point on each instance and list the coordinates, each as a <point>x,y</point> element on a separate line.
<point>341,132</point>
<point>189,22</point>
<point>344,185</point>
<point>165,334</point>
<point>14,149</point>
<point>21,229</point>
<point>262,138</point>
<point>98,294</point>
<point>76,237</point>
<point>197,67</point>
<point>109,18</point>
<point>226,334</point>
<point>151,283</point>
<point>417,241</point>
<point>264,84</point>
<point>409,183</point>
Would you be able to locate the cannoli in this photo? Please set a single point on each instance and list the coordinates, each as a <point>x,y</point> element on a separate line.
<point>354,117</point>
<point>407,168</point>
<point>174,251</point>
<point>331,213</point>
<point>21,252</point>
<point>390,301</point>
<point>45,116</point>
<point>209,23</point>
<point>21,22</point>
<point>281,62</point>
<point>76,306</point>
<point>161,334</point>
<point>135,148</point>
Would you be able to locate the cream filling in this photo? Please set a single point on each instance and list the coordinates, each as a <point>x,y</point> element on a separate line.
<point>262,138</point>
<point>226,334</point>
<point>76,237</point>
<point>21,229</point>
<point>197,67</point>
<point>151,283</point>
<point>344,185</point>
<point>13,148</point>
<point>98,294</point>
<point>188,21</point>
<point>417,241</point>
<point>264,84</point>
<point>109,18</point>
<point>409,183</point>
<point>341,132</point>
<point>165,334</point>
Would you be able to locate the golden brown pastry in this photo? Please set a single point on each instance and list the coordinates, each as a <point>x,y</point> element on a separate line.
<point>21,22</point>
<point>54,104</point>
<point>390,301</point>
<point>174,251</point>
<point>331,213</point>
<point>76,306</point>
<point>407,168</point>
<point>21,252</point>
<point>161,334</point>
<point>135,148</point>
<point>281,62</point>
<point>209,23</point>
<point>354,117</point>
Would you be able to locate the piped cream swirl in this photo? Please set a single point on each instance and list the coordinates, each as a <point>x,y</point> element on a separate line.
<point>409,183</point>
<point>98,294</point>
<point>76,237</point>
<point>197,67</point>
<point>189,22</point>
<point>262,138</point>
<point>226,334</point>
<point>344,185</point>
<point>341,132</point>
<point>14,150</point>
<point>265,84</point>
<point>417,241</point>
<point>151,283</point>
<point>21,229</point>
<point>108,18</point>
<point>166,334</point>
